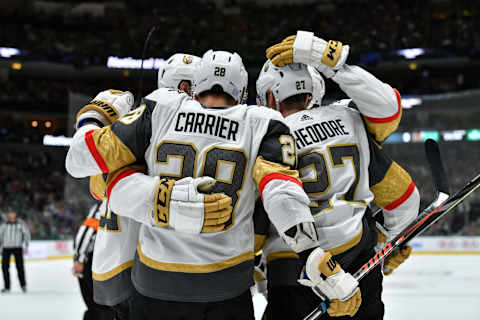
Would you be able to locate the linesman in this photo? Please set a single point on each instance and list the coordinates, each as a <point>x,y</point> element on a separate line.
<point>14,239</point>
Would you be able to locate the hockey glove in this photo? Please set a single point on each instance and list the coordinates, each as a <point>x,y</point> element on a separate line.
<point>328,280</point>
<point>105,108</point>
<point>180,205</point>
<point>305,48</point>
<point>396,258</point>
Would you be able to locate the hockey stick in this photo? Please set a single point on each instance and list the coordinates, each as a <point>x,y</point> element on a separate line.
<point>442,204</point>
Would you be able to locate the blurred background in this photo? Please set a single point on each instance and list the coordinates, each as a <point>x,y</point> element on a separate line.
<point>56,54</point>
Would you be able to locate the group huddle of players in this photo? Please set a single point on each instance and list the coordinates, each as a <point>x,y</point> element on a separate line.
<point>195,184</point>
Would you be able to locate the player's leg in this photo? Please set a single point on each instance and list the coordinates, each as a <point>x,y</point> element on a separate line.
<point>290,302</point>
<point>238,308</point>
<point>5,269</point>
<point>18,254</point>
<point>155,309</point>
<point>122,310</point>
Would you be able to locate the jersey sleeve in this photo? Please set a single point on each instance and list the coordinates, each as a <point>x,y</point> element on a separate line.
<point>130,193</point>
<point>277,179</point>
<point>378,102</point>
<point>394,190</point>
<point>96,150</point>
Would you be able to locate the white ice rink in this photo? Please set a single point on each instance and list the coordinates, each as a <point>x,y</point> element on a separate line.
<point>437,287</point>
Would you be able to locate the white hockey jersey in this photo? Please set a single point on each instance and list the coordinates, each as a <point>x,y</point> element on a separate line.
<point>343,170</point>
<point>113,255</point>
<point>243,148</point>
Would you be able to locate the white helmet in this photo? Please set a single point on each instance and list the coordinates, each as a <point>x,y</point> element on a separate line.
<point>284,82</point>
<point>318,87</point>
<point>224,69</point>
<point>176,69</point>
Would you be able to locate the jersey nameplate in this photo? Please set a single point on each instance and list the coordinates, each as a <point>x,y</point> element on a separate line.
<point>208,124</point>
<point>319,131</point>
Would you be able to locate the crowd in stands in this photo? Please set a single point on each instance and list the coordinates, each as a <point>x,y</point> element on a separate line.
<point>32,186</point>
<point>246,27</point>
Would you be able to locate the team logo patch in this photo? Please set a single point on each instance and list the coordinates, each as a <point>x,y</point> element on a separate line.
<point>306,117</point>
<point>187,59</point>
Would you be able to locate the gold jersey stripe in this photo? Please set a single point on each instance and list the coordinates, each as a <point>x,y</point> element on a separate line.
<point>347,245</point>
<point>259,242</point>
<point>98,187</point>
<point>110,274</point>
<point>392,187</point>
<point>112,150</point>
<point>193,268</point>
<point>282,255</point>
<point>381,130</point>
<point>264,167</point>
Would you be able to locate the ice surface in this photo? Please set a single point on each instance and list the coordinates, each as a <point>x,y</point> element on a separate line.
<point>426,287</point>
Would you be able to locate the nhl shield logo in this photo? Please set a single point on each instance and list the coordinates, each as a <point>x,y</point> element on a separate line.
<point>187,59</point>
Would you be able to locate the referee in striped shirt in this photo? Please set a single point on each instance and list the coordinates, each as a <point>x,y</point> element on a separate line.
<point>14,236</point>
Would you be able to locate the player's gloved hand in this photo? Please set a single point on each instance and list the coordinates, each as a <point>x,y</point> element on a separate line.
<point>328,280</point>
<point>260,280</point>
<point>181,205</point>
<point>308,49</point>
<point>396,258</point>
<point>105,108</point>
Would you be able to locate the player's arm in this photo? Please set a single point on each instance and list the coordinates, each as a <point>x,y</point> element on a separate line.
<point>162,202</point>
<point>393,189</point>
<point>395,192</point>
<point>286,204</point>
<point>102,144</point>
<point>377,101</point>
<point>281,191</point>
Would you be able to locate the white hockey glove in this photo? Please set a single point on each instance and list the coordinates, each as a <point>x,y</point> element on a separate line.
<point>397,257</point>
<point>308,49</point>
<point>181,205</point>
<point>105,108</point>
<point>328,280</point>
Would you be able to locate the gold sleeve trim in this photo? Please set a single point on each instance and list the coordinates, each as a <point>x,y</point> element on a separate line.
<point>282,255</point>
<point>98,187</point>
<point>110,274</point>
<point>259,242</point>
<point>347,245</point>
<point>382,131</point>
<point>193,268</point>
<point>263,168</point>
<point>113,151</point>
<point>103,107</point>
<point>393,186</point>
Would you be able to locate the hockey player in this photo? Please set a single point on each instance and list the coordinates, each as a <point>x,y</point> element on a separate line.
<point>117,235</point>
<point>342,167</point>
<point>186,273</point>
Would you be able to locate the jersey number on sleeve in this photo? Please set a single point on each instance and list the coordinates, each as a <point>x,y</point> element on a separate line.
<point>109,221</point>
<point>227,165</point>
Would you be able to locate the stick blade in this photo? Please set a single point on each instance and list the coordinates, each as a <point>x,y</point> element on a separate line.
<point>434,158</point>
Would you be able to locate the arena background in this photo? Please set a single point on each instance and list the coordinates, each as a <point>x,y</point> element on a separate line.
<point>56,54</point>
